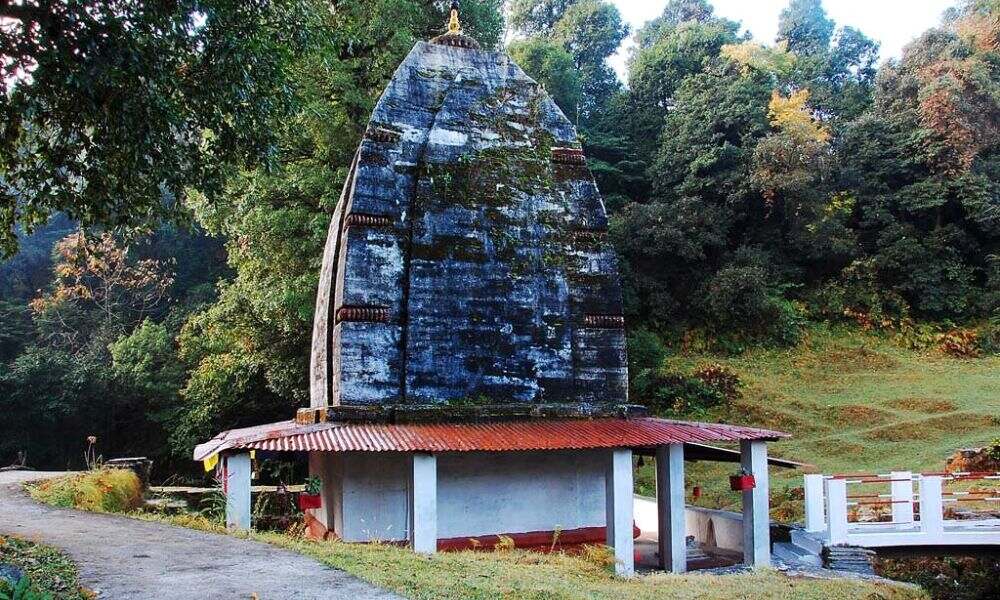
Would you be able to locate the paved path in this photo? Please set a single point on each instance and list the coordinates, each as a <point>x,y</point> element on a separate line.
<point>121,558</point>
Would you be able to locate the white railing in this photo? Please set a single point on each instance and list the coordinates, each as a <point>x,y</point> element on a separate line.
<point>828,505</point>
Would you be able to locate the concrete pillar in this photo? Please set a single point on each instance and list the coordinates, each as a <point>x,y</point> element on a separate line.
<point>670,507</point>
<point>901,491</point>
<point>423,504</point>
<point>237,489</point>
<point>328,467</point>
<point>756,505</point>
<point>931,505</point>
<point>815,504</point>
<point>836,511</point>
<point>619,508</point>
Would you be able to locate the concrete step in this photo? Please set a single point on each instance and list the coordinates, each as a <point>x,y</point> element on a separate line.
<point>812,542</point>
<point>791,553</point>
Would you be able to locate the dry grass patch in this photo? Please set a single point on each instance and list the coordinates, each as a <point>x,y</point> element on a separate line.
<point>847,360</point>
<point>960,422</point>
<point>922,405</point>
<point>856,414</point>
<point>102,490</point>
<point>838,447</point>
<point>755,413</point>
<point>929,429</point>
<point>903,432</point>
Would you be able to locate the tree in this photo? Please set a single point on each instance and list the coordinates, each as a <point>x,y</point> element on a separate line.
<point>591,30</point>
<point>111,110</point>
<point>804,26</point>
<point>659,68</point>
<point>924,164</point>
<point>552,66</point>
<point>66,396</point>
<point>537,17</point>
<point>17,331</point>
<point>98,286</point>
<point>675,13</point>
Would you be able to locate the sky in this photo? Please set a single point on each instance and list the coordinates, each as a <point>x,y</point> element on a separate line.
<point>892,22</point>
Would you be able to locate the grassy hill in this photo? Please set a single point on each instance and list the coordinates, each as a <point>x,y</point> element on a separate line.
<point>854,401</point>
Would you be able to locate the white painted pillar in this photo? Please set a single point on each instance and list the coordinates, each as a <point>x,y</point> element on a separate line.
<point>670,508</point>
<point>619,509</point>
<point>901,491</point>
<point>931,505</point>
<point>815,503</point>
<point>423,504</point>
<point>836,511</point>
<point>237,489</point>
<point>756,505</point>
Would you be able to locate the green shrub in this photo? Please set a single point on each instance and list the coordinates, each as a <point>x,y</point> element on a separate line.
<point>102,490</point>
<point>856,295</point>
<point>677,395</point>
<point>720,378</point>
<point>645,351</point>
<point>994,449</point>
<point>946,578</point>
<point>22,591</point>
<point>743,302</point>
<point>989,337</point>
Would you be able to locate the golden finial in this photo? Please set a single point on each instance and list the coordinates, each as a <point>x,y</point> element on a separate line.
<point>454,37</point>
<point>453,25</point>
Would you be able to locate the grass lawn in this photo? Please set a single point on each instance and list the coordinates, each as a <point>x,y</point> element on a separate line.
<point>50,574</point>
<point>528,575</point>
<point>855,402</point>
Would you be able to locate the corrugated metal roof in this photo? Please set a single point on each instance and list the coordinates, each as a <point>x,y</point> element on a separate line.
<point>563,434</point>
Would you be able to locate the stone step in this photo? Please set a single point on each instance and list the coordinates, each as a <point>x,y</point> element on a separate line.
<point>810,541</point>
<point>796,554</point>
<point>853,559</point>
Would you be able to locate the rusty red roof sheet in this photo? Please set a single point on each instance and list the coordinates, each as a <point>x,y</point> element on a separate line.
<point>564,434</point>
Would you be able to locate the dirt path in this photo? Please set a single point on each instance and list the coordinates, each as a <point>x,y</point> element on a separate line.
<point>121,558</point>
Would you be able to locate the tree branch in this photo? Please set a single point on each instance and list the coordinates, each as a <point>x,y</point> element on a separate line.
<point>20,12</point>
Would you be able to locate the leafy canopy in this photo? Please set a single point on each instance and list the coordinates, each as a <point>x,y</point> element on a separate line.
<point>111,110</point>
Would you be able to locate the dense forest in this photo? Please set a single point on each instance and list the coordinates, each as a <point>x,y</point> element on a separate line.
<point>168,172</point>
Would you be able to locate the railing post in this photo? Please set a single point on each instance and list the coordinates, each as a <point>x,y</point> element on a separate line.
<point>815,515</point>
<point>836,510</point>
<point>931,505</point>
<point>901,489</point>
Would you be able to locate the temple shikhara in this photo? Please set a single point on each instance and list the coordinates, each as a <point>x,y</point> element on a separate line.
<point>468,372</point>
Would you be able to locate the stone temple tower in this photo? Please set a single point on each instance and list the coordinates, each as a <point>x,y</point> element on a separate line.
<point>468,257</point>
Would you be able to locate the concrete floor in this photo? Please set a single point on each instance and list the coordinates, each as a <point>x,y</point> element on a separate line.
<point>120,557</point>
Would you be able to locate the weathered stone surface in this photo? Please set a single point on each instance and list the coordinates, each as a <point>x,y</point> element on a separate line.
<point>469,250</point>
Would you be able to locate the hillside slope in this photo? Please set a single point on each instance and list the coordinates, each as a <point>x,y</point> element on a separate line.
<point>854,402</point>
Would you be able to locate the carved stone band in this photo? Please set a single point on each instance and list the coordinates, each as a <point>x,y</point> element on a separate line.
<point>362,220</point>
<point>568,156</point>
<point>379,134</point>
<point>604,321</point>
<point>363,314</point>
